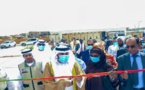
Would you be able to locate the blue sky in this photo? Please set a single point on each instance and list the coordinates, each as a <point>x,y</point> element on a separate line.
<point>18,16</point>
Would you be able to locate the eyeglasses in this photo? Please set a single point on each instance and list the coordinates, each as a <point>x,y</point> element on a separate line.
<point>63,53</point>
<point>90,44</point>
<point>27,55</point>
<point>130,46</point>
<point>41,44</point>
<point>94,55</point>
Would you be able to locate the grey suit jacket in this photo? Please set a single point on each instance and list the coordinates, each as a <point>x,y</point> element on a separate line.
<point>124,63</point>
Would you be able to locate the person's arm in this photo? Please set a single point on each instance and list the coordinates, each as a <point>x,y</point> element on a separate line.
<point>3,76</point>
<point>19,84</point>
<point>80,80</point>
<point>109,50</point>
<point>52,84</point>
<point>123,77</point>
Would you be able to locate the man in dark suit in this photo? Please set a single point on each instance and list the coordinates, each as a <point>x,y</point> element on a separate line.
<point>86,53</point>
<point>133,60</point>
<point>121,52</point>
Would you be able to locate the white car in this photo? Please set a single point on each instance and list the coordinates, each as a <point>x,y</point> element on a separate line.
<point>8,44</point>
<point>30,41</point>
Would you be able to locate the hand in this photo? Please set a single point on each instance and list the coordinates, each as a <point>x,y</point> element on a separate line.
<point>74,52</point>
<point>124,75</point>
<point>112,75</point>
<point>78,79</point>
<point>68,83</point>
<point>108,62</point>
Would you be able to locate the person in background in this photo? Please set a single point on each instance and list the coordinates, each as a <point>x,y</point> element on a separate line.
<point>41,51</point>
<point>64,40</point>
<point>143,49</point>
<point>94,40</point>
<point>30,69</point>
<point>86,53</point>
<point>108,42</point>
<point>113,48</point>
<point>121,44</point>
<point>97,63</point>
<point>140,45</point>
<point>110,60</point>
<point>63,64</point>
<point>75,46</point>
<point>81,63</point>
<point>51,44</point>
<point>123,50</point>
<point>82,47</point>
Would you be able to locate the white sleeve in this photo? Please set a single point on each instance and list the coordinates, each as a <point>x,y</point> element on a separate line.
<point>109,50</point>
<point>80,84</point>
<point>43,66</point>
<point>18,84</point>
<point>10,84</point>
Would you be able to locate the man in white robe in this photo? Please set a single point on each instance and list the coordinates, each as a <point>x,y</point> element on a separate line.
<point>63,64</point>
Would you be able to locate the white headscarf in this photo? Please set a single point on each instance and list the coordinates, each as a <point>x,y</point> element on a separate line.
<point>67,66</point>
<point>41,55</point>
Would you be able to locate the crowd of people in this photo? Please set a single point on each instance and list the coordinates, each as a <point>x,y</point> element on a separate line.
<point>51,59</point>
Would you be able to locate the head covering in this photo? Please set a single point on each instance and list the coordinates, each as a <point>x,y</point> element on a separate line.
<point>41,41</point>
<point>41,55</point>
<point>91,67</point>
<point>99,45</point>
<point>68,66</point>
<point>101,66</point>
<point>26,51</point>
<point>62,48</point>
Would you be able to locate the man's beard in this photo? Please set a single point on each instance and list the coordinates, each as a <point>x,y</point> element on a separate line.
<point>29,60</point>
<point>121,45</point>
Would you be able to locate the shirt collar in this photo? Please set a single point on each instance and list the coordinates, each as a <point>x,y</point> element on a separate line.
<point>26,65</point>
<point>138,54</point>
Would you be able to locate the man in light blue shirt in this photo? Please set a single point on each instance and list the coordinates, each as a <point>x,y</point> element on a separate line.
<point>140,74</point>
<point>133,60</point>
<point>81,63</point>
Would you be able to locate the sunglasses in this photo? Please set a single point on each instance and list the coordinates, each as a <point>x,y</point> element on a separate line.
<point>63,53</point>
<point>27,55</point>
<point>94,56</point>
<point>90,44</point>
<point>41,44</point>
<point>130,46</point>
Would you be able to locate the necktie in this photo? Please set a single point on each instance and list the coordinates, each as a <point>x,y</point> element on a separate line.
<point>135,67</point>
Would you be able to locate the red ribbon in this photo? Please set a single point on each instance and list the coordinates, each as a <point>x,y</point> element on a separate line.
<point>89,75</point>
<point>70,77</point>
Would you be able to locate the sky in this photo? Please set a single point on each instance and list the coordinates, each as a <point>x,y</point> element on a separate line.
<point>22,16</point>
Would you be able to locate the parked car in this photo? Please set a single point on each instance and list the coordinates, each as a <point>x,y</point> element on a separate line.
<point>30,41</point>
<point>8,44</point>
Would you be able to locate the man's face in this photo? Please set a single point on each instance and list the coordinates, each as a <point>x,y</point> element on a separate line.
<point>90,43</point>
<point>59,54</point>
<point>132,46</point>
<point>120,42</point>
<point>81,41</point>
<point>114,40</point>
<point>28,57</point>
